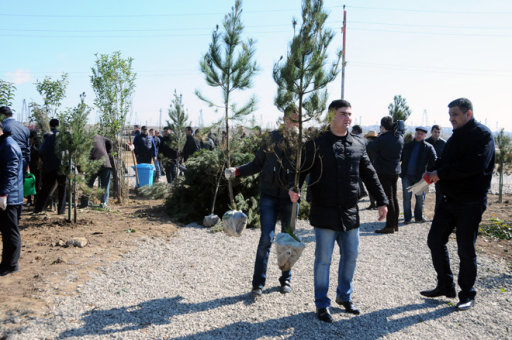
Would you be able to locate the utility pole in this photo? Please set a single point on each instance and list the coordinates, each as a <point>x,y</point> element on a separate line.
<point>343,62</point>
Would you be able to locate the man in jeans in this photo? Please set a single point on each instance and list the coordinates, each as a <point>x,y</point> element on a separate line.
<point>335,161</point>
<point>418,156</point>
<point>271,161</point>
<point>464,175</point>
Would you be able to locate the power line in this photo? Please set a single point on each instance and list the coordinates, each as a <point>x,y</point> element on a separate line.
<point>500,12</point>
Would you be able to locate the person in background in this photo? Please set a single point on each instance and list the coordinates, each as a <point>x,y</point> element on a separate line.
<point>156,148</point>
<point>371,135</point>
<point>464,175</point>
<point>11,201</point>
<point>101,150</point>
<point>144,147</point>
<point>336,159</point>
<point>387,150</point>
<point>358,131</point>
<point>19,132</point>
<point>417,157</point>
<point>191,145</point>
<point>51,172</point>
<point>438,143</point>
<point>168,155</point>
<point>34,165</point>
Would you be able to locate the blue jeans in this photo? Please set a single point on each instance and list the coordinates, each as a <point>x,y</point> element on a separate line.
<point>407,197</point>
<point>270,209</point>
<point>465,218</point>
<point>104,182</point>
<point>348,242</point>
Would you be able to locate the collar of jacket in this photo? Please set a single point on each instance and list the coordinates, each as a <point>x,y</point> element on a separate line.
<point>468,126</point>
<point>333,138</point>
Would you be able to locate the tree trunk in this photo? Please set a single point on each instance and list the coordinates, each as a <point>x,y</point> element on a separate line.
<point>500,184</point>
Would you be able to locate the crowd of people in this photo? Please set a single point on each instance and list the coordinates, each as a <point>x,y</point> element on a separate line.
<point>337,164</point>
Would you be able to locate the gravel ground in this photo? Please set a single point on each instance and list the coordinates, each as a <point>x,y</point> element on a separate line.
<point>197,287</point>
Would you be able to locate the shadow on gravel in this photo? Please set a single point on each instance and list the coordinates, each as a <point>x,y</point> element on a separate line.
<point>152,312</point>
<point>373,325</point>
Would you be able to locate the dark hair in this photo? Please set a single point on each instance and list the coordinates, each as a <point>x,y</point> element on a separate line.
<point>54,122</point>
<point>336,104</point>
<point>435,127</point>
<point>387,123</point>
<point>6,110</point>
<point>462,103</point>
<point>33,134</point>
<point>356,129</point>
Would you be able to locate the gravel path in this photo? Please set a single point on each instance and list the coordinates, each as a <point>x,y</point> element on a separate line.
<point>197,287</point>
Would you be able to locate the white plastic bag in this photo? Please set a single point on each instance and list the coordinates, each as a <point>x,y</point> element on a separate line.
<point>234,222</point>
<point>288,251</point>
<point>211,220</point>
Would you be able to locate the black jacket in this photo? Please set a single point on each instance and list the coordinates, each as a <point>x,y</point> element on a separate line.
<point>438,145</point>
<point>425,162</point>
<point>387,151</point>
<point>144,148</point>
<point>167,154</point>
<point>47,152</point>
<point>336,164</point>
<point>274,177</point>
<point>466,165</point>
<point>191,146</point>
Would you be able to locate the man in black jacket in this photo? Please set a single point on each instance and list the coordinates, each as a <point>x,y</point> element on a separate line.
<point>418,156</point>
<point>438,143</point>
<point>387,150</point>
<point>168,155</point>
<point>464,175</point>
<point>51,172</point>
<point>144,147</point>
<point>336,160</point>
<point>191,145</point>
<point>271,161</point>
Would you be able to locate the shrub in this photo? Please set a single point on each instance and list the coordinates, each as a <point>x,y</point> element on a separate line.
<point>191,197</point>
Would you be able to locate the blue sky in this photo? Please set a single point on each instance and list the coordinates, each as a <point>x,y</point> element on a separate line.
<point>430,52</point>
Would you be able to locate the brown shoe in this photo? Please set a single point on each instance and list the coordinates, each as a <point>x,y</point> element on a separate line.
<point>385,231</point>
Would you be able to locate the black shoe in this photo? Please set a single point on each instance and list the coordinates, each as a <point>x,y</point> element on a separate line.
<point>285,288</point>
<point>464,304</point>
<point>385,231</point>
<point>6,271</point>
<point>451,293</point>
<point>407,222</point>
<point>421,220</point>
<point>349,307</point>
<point>256,292</point>
<point>323,314</point>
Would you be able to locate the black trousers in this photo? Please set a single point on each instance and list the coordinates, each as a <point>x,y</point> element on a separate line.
<point>465,218</point>
<point>388,183</point>
<point>11,240</point>
<point>48,181</point>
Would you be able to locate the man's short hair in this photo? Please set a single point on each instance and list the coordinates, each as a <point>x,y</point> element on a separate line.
<point>144,127</point>
<point>387,122</point>
<point>435,127</point>
<point>336,104</point>
<point>6,111</point>
<point>463,104</point>
<point>188,128</point>
<point>136,126</point>
<point>54,122</point>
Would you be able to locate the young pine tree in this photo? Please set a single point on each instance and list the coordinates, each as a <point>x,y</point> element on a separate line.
<point>229,65</point>
<point>302,77</point>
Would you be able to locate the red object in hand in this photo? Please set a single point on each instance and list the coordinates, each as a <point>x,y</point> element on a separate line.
<point>427,179</point>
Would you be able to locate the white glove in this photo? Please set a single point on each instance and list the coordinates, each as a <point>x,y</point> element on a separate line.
<point>421,186</point>
<point>230,172</point>
<point>3,202</point>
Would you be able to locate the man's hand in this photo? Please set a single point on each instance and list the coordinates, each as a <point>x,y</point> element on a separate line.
<point>230,172</point>
<point>294,197</point>
<point>433,176</point>
<point>3,202</point>
<point>131,146</point>
<point>383,211</point>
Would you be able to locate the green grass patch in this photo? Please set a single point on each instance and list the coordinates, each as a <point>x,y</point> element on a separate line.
<point>496,228</point>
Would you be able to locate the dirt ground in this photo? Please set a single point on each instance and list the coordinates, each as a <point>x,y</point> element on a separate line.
<point>49,267</point>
